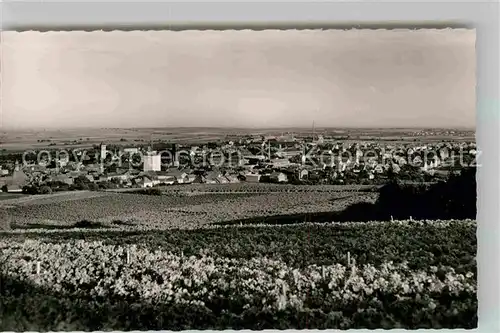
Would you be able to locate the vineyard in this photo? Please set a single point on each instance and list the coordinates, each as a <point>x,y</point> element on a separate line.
<point>406,274</point>
<point>169,210</point>
<point>232,257</point>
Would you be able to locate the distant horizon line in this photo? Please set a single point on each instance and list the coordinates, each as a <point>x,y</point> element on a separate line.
<point>246,128</point>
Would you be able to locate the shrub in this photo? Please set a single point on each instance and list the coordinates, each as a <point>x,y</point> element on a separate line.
<point>45,190</point>
<point>93,187</point>
<point>30,189</point>
<point>151,191</point>
<point>87,224</point>
<point>116,180</point>
<point>82,187</point>
<point>124,223</point>
<point>5,188</point>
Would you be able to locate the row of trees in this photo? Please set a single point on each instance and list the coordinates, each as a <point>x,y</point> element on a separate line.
<point>455,198</point>
<point>81,183</point>
<point>452,199</point>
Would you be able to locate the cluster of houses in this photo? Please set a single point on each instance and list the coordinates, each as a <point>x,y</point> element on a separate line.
<point>22,176</point>
<point>279,161</point>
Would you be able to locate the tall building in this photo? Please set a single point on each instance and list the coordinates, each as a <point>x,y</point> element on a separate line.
<point>103,157</point>
<point>103,152</point>
<point>152,162</point>
<point>175,158</point>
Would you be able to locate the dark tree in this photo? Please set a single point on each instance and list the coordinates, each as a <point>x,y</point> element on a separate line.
<point>45,190</point>
<point>454,199</point>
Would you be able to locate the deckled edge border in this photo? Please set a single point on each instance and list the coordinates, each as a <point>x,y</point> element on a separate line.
<point>229,28</point>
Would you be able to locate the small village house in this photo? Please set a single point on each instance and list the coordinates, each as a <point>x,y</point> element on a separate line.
<point>378,169</point>
<point>131,151</point>
<point>232,178</point>
<point>278,177</point>
<point>222,180</point>
<point>177,176</point>
<point>144,181</point>
<point>122,175</point>
<point>252,177</point>
<point>212,177</point>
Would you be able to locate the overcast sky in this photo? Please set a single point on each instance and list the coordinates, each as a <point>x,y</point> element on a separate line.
<point>366,78</point>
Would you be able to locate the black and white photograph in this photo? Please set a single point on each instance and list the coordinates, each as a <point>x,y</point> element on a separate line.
<point>238,179</point>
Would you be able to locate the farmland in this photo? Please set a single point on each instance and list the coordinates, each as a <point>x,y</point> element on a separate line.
<point>399,274</point>
<point>22,139</point>
<point>217,257</point>
<point>171,210</point>
<point>13,140</point>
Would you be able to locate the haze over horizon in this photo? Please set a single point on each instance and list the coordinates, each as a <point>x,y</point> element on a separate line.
<point>239,79</point>
<point>283,128</point>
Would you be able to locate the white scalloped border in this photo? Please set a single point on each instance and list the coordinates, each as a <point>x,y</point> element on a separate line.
<point>247,30</point>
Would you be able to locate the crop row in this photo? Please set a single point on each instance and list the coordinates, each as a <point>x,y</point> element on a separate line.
<point>332,224</point>
<point>91,285</point>
<point>422,243</point>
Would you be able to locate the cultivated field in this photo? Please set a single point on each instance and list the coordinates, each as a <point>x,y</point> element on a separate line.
<point>174,209</point>
<point>341,275</point>
<point>146,262</point>
<point>80,138</point>
<point>18,140</point>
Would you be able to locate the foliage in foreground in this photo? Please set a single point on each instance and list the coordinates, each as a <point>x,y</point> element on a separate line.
<point>90,285</point>
<point>422,243</point>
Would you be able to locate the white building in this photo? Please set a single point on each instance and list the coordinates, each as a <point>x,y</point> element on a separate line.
<point>152,162</point>
<point>103,157</point>
<point>277,163</point>
<point>279,177</point>
<point>131,151</point>
<point>103,152</point>
<point>252,178</point>
<point>63,161</point>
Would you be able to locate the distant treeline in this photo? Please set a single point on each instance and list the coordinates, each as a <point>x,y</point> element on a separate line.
<point>455,198</point>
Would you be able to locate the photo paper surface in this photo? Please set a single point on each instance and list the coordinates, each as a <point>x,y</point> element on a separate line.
<point>238,179</point>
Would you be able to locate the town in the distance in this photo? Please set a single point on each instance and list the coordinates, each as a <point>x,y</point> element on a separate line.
<point>314,157</point>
